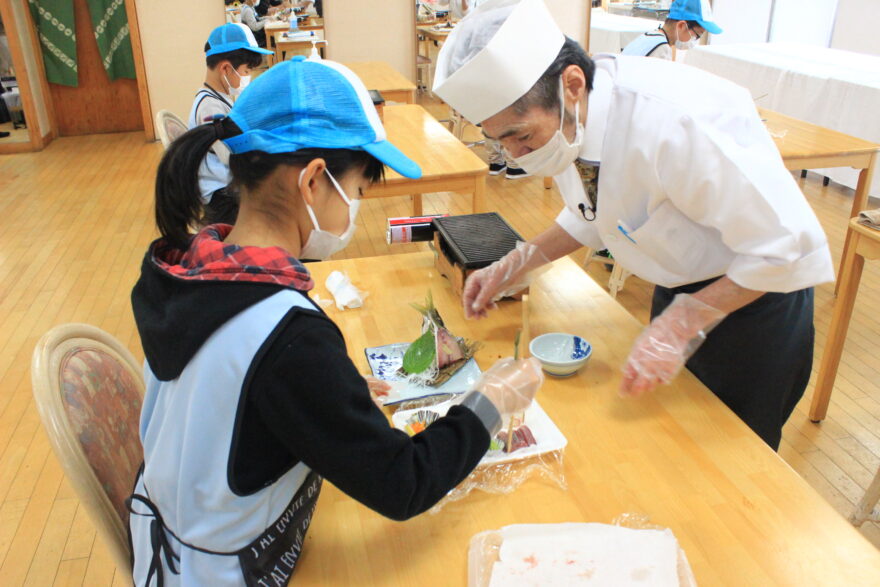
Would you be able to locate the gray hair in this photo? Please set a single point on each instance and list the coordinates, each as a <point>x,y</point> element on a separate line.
<point>545,92</point>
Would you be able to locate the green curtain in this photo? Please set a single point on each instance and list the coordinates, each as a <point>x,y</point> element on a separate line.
<point>57,32</point>
<point>110,23</point>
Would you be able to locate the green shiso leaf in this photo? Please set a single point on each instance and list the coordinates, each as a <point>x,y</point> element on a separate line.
<point>420,354</point>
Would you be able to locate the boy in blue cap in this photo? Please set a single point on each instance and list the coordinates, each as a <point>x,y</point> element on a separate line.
<point>251,398</point>
<point>688,20</point>
<point>230,54</point>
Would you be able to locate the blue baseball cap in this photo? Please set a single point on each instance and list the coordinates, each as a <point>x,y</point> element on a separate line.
<point>698,10</point>
<point>232,37</point>
<point>312,104</point>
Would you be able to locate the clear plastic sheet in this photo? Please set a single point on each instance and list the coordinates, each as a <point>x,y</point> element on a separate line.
<point>505,477</point>
<point>485,548</point>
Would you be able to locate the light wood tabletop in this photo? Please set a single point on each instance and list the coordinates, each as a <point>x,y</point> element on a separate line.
<point>680,456</point>
<point>804,145</point>
<point>379,75</point>
<point>447,164</point>
<point>864,243</point>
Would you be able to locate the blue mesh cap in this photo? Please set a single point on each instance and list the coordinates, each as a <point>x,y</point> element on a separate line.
<point>698,10</point>
<point>312,104</point>
<point>232,37</point>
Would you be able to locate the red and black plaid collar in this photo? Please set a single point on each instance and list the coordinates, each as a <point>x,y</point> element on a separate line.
<point>208,258</point>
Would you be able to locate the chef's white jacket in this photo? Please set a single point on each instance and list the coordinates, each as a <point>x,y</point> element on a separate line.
<point>689,172</point>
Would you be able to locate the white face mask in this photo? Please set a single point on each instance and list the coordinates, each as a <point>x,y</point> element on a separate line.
<point>689,44</point>
<point>321,244</point>
<point>557,154</point>
<point>257,3</point>
<point>243,81</point>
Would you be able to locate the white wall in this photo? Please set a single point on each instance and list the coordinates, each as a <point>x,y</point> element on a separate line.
<point>571,16</point>
<point>173,36</point>
<point>796,21</point>
<point>378,30</point>
<point>743,21</point>
<point>857,27</point>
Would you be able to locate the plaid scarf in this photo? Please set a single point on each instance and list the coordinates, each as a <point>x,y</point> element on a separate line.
<point>209,259</point>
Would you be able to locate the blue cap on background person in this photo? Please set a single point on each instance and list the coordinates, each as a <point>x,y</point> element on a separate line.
<point>312,104</point>
<point>232,37</point>
<point>698,10</point>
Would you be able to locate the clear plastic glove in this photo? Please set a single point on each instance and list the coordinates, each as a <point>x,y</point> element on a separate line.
<point>667,343</point>
<point>505,277</point>
<point>511,384</point>
<point>378,389</point>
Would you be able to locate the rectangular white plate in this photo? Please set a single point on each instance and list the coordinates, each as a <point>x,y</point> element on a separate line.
<point>385,361</point>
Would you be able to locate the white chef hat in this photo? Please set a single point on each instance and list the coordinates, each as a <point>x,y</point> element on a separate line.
<point>495,55</point>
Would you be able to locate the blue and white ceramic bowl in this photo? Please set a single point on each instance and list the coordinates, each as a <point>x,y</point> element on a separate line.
<point>561,354</point>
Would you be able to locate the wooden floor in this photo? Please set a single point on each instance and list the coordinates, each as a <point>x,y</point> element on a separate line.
<point>76,219</point>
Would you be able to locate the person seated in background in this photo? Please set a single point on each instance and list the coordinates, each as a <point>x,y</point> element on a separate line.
<point>270,7</point>
<point>688,20</point>
<point>251,397</point>
<point>254,21</point>
<point>230,54</point>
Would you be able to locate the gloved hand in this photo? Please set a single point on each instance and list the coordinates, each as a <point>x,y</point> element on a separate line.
<point>511,384</point>
<point>667,343</point>
<point>502,278</point>
<point>378,389</point>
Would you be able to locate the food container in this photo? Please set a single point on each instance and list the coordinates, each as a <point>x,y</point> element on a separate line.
<point>561,354</point>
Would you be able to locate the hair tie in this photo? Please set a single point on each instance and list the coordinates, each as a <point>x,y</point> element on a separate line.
<point>219,129</point>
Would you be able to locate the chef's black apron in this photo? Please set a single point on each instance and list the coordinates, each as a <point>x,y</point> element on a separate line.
<point>758,359</point>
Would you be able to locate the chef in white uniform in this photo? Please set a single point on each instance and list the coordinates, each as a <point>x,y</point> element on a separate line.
<point>692,196</point>
<point>687,22</point>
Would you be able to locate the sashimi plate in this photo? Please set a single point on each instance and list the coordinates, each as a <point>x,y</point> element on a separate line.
<point>547,435</point>
<point>385,362</point>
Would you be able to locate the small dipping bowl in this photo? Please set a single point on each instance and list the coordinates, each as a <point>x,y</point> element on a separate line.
<point>560,354</point>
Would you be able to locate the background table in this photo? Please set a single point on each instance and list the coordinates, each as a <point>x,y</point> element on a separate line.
<point>804,146</point>
<point>864,243</point>
<point>447,164</point>
<point>378,75</point>
<point>835,89</point>
<point>743,516</point>
<point>610,33</point>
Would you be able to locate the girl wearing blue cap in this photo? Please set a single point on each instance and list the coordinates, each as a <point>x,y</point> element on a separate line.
<point>251,399</point>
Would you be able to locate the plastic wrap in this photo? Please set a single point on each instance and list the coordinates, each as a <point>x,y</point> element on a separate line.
<point>499,472</point>
<point>504,278</point>
<point>485,550</point>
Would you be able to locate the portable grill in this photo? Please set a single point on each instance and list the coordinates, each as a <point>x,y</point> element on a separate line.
<point>469,242</point>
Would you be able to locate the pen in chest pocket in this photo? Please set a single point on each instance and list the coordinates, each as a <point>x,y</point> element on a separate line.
<point>625,231</point>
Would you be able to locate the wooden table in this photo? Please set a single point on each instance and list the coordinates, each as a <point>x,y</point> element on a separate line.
<point>808,146</point>
<point>276,29</point>
<point>427,33</point>
<point>447,164</point>
<point>864,243</point>
<point>743,516</point>
<point>378,75</point>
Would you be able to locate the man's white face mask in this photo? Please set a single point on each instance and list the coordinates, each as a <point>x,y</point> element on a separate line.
<point>685,45</point>
<point>557,154</point>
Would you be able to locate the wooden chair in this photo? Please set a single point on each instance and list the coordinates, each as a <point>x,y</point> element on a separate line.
<point>618,273</point>
<point>865,508</point>
<point>170,127</point>
<point>88,389</point>
<point>423,69</point>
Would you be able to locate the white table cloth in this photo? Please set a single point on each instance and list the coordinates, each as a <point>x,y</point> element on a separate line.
<point>829,87</point>
<point>610,33</point>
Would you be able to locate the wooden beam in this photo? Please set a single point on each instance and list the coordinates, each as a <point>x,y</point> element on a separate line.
<point>140,69</point>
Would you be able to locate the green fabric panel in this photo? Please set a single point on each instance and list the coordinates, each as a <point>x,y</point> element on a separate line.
<point>110,24</point>
<point>57,32</point>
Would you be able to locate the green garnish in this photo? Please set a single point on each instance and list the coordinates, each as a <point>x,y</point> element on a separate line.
<point>420,355</point>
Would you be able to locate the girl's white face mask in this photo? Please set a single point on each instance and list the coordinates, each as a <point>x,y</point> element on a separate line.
<point>322,244</point>
<point>557,154</point>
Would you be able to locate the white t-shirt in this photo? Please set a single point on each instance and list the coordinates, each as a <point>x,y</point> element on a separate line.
<point>214,170</point>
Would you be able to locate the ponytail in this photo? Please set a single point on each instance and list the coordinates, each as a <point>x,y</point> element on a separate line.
<point>178,198</point>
